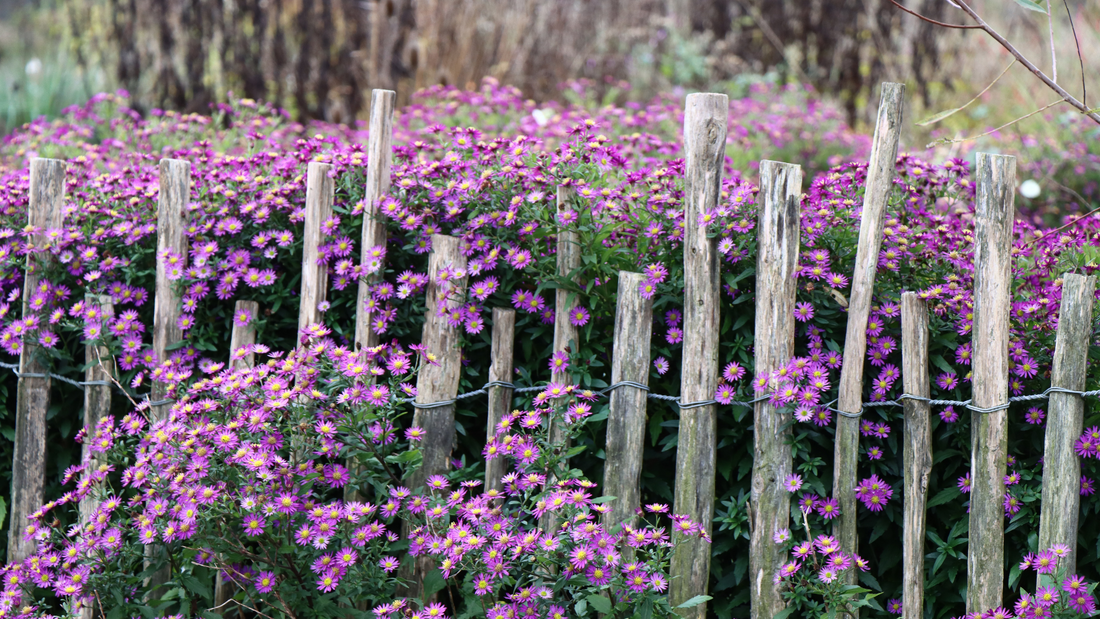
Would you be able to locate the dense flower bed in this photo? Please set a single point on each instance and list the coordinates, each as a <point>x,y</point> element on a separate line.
<point>485,166</point>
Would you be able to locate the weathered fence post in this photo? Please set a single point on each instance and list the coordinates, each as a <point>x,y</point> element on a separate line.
<point>97,391</point>
<point>776,263</point>
<point>569,261</point>
<point>320,191</point>
<point>917,452</point>
<point>500,396</point>
<point>243,335</point>
<point>626,420</point>
<point>881,170</point>
<point>379,163</point>
<point>175,192</point>
<point>28,479</point>
<point>1061,502</point>
<point>437,384</point>
<point>996,178</point>
<point>705,122</point>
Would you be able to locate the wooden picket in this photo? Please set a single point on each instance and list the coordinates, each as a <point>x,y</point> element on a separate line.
<point>881,170</point>
<point>778,230</point>
<point>500,396</point>
<point>175,193</point>
<point>917,451</point>
<point>1061,498</point>
<point>379,163</point>
<point>705,121</point>
<point>626,419</point>
<point>996,179</point>
<point>28,478</point>
<point>320,193</point>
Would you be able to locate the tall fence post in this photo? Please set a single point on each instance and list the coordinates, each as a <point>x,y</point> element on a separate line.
<point>175,192</point>
<point>705,123</point>
<point>97,391</point>
<point>437,384</point>
<point>881,170</point>
<point>500,396</point>
<point>242,335</point>
<point>622,472</point>
<point>28,479</point>
<point>776,263</point>
<point>996,178</point>
<point>569,260</point>
<point>379,164</point>
<point>320,191</point>
<point>917,452</point>
<point>1061,499</point>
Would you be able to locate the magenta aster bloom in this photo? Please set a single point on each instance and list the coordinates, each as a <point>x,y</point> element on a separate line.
<point>1087,486</point>
<point>578,316</point>
<point>1034,415</point>
<point>733,372</point>
<point>803,311</point>
<point>792,483</point>
<point>559,362</point>
<point>894,606</point>
<point>265,582</point>
<point>661,365</point>
<point>253,525</point>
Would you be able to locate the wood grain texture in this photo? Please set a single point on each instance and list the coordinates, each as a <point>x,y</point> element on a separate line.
<point>1061,499</point>
<point>320,192</point>
<point>569,261</point>
<point>379,164</point>
<point>245,335</point>
<point>500,398</point>
<point>778,236</point>
<point>881,169</point>
<point>97,404</point>
<point>996,178</point>
<point>705,121</point>
<point>917,451</point>
<point>175,193</point>
<point>626,419</point>
<point>28,479</point>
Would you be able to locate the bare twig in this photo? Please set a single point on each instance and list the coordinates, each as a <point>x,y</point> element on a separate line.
<point>1068,98</point>
<point>938,118</point>
<point>1007,124</point>
<point>1077,220</point>
<point>932,21</point>
<point>1080,60</point>
<point>110,375</point>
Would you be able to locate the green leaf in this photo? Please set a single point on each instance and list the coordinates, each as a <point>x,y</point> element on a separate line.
<point>599,603</point>
<point>695,601</point>
<point>603,499</point>
<point>3,511</point>
<point>581,608</point>
<point>576,450</point>
<point>943,496</point>
<point>433,583</point>
<point>1032,5</point>
<point>786,612</point>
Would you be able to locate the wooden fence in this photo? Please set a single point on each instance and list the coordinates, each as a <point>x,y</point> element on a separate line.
<point>777,259</point>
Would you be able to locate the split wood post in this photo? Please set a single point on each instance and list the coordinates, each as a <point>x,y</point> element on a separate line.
<point>881,170</point>
<point>437,384</point>
<point>97,392</point>
<point>626,420</point>
<point>320,192</point>
<point>565,334</point>
<point>500,397</point>
<point>240,337</point>
<point>379,164</point>
<point>1061,502</point>
<point>97,405</point>
<point>776,263</point>
<point>28,479</point>
<point>705,122</point>
<point>243,336</point>
<point>996,178</point>
<point>175,193</point>
<point>917,450</point>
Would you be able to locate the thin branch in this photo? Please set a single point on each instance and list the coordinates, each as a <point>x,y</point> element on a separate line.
<point>1007,124</point>
<point>1092,114</point>
<point>1080,60</point>
<point>932,21</point>
<point>937,118</point>
<point>1047,233</point>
